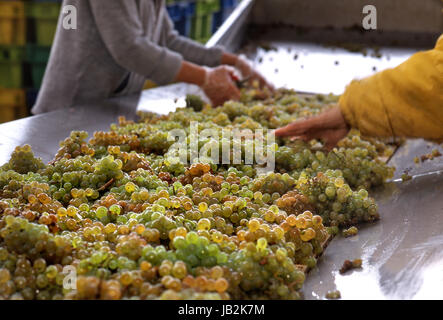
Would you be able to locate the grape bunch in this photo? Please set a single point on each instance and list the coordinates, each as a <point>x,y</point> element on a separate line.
<point>23,161</point>
<point>335,200</point>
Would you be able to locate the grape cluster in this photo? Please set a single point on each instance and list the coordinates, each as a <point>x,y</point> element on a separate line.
<point>23,161</point>
<point>194,102</point>
<point>131,223</point>
<point>352,231</point>
<point>335,200</point>
<point>265,269</point>
<point>274,184</point>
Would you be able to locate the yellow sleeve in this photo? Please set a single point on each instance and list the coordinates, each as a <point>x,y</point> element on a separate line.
<point>406,101</point>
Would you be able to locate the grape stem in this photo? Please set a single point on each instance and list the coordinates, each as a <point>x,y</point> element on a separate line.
<point>106,185</point>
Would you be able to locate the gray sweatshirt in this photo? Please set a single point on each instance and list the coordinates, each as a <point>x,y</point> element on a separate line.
<point>117,46</point>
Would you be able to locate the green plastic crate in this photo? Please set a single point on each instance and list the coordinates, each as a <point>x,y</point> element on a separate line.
<point>12,104</point>
<point>201,27</point>
<point>37,57</point>
<point>37,54</point>
<point>38,71</point>
<point>11,67</point>
<point>206,7</point>
<point>12,23</point>
<point>43,10</point>
<point>203,40</point>
<point>46,16</point>
<point>12,53</point>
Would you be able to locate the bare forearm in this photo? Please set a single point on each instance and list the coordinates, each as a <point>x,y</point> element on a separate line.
<point>191,73</point>
<point>229,59</point>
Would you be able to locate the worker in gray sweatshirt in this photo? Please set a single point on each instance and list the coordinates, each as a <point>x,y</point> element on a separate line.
<point>118,45</point>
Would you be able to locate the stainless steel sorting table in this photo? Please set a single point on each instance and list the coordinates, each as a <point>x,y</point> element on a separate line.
<point>402,256</point>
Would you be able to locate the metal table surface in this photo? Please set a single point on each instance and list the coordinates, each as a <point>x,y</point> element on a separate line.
<point>401,253</point>
<point>44,132</point>
<point>320,69</point>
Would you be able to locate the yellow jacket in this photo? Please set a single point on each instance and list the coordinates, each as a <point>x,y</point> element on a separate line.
<point>406,101</point>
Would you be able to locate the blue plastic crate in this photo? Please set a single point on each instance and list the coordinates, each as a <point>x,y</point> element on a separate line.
<point>174,12</point>
<point>31,97</point>
<point>228,3</point>
<point>186,8</point>
<point>183,26</point>
<point>220,17</point>
<point>190,8</point>
<point>178,10</point>
<point>181,14</point>
<point>226,9</point>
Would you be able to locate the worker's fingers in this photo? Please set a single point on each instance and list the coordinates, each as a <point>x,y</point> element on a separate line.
<point>266,84</point>
<point>248,71</point>
<point>235,93</point>
<point>232,72</point>
<point>332,137</point>
<point>220,86</point>
<point>330,119</point>
<point>244,66</point>
<point>296,128</point>
<point>303,137</point>
<point>263,83</point>
<point>288,131</point>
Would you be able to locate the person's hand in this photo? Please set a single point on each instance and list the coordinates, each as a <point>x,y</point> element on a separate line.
<point>219,85</point>
<point>329,126</point>
<point>248,72</point>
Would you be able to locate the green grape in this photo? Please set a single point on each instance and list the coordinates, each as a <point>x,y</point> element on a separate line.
<point>330,192</point>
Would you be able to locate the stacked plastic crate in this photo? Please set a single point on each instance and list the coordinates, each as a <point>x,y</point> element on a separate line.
<point>199,19</point>
<point>226,9</point>
<point>12,41</point>
<point>202,22</point>
<point>43,17</point>
<point>27,30</point>
<point>181,13</point>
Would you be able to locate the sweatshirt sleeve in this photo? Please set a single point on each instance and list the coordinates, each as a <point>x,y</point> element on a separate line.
<point>406,101</point>
<point>192,51</point>
<point>121,30</point>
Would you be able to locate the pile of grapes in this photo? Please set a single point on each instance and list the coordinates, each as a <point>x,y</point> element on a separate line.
<point>115,218</point>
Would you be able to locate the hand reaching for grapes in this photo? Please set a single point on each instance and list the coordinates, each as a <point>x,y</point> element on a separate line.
<point>248,72</point>
<point>329,126</point>
<point>219,85</point>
